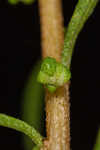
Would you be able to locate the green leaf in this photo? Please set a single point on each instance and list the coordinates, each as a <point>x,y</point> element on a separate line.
<point>19,125</point>
<point>83,10</point>
<point>26,2</point>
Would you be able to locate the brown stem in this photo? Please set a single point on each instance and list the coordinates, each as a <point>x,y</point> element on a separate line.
<point>57,110</point>
<point>57,104</point>
<point>52,28</point>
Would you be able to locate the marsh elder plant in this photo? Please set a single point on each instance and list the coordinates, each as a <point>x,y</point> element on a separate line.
<point>53,72</point>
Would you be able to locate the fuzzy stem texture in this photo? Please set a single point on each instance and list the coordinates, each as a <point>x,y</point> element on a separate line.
<point>57,104</point>
<point>21,126</point>
<point>83,10</point>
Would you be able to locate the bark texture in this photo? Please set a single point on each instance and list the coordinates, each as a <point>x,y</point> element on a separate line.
<point>57,104</point>
<point>51,21</point>
<point>58,118</point>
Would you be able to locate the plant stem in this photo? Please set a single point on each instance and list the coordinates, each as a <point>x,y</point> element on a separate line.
<point>21,126</point>
<point>83,10</point>
<point>52,28</point>
<point>58,119</point>
<point>57,104</point>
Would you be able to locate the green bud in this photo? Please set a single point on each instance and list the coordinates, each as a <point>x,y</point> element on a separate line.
<point>53,74</point>
<point>51,88</point>
<point>49,66</point>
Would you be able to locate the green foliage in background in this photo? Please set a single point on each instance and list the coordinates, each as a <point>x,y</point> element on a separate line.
<point>26,2</point>
<point>32,107</point>
<point>97,143</point>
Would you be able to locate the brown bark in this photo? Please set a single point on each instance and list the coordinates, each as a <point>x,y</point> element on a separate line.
<point>57,104</point>
<point>52,28</point>
<point>58,118</point>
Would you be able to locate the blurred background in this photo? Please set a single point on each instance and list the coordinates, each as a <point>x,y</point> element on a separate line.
<point>20,48</point>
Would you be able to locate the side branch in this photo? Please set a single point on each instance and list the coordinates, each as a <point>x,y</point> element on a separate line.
<point>82,12</point>
<point>10,122</point>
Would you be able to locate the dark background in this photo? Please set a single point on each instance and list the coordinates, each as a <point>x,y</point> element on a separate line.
<point>19,50</point>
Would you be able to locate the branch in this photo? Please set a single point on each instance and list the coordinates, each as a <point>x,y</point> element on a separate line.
<point>57,104</point>
<point>52,29</point>
<point>83,10</point>
<point>21,126</point>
